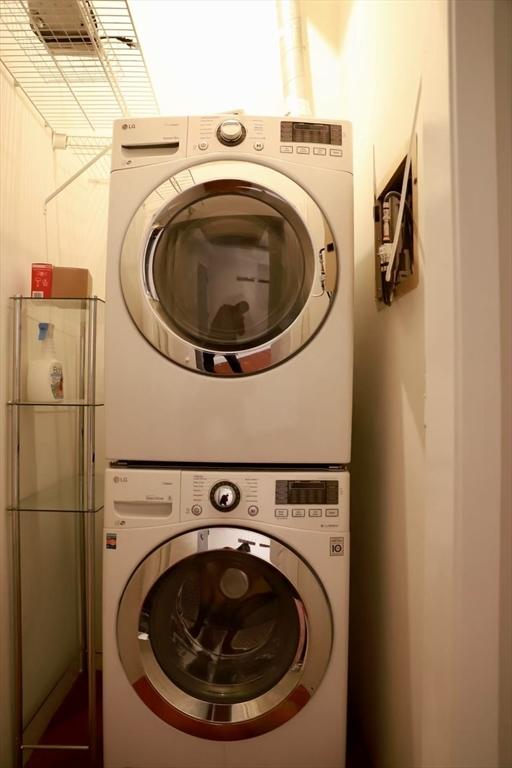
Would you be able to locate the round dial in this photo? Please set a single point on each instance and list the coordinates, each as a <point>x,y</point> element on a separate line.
<point>231,132</point>
<point>225,496</point>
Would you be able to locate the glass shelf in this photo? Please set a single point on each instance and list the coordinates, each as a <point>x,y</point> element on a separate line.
<point>56,404</point>
<point>64,302</point>
<point>77,341</point>
<point>55,456</point>
<point>57,484</point>
<point>64,496</point>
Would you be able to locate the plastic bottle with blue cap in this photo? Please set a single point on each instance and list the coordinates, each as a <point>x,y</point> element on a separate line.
<point>45,380</point>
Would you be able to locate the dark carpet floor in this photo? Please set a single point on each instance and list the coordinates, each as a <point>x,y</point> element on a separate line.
<point>69,726</point>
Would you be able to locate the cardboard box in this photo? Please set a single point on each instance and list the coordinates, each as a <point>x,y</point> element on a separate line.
<point>41,286</point>
<point>71,283</point>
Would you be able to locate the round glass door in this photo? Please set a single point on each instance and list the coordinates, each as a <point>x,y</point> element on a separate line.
<point>215,634</point>
<point>230,271</point>
<point>229,280</point>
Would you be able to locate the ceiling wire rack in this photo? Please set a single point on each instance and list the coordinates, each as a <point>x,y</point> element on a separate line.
<point>80,64</point>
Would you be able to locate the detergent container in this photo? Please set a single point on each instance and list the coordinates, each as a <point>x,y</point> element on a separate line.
<point>45,379</point>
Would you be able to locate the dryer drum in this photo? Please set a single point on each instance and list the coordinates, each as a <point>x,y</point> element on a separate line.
<point>228,276</point>
<point>225,642</point>
<point>204,267</point>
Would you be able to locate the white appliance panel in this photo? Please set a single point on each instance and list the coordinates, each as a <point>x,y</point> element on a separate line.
<point>134,735</point>
<point>296,412</point>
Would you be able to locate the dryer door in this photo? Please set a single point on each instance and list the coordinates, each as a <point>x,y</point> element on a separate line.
<point>224,633</point>
<point>228,268</point>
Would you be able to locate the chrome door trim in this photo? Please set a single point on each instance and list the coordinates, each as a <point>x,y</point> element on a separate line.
<point>226,721</point>
<point>151,319</point>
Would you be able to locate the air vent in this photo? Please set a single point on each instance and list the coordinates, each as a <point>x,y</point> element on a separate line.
<point>66,27</point>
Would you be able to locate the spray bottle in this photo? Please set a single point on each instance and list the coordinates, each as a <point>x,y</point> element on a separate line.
<point>45,380</point>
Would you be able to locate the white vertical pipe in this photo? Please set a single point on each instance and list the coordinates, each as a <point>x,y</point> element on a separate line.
<point>296,83</point>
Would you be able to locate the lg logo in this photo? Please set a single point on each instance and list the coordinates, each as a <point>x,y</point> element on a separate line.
<point>120,479</point>
<point>127,126</point>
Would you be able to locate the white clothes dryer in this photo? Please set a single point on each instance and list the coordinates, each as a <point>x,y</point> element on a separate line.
<point>229,291</point>
<point>225,618</point>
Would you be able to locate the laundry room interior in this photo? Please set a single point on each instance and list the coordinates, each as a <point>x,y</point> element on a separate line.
<point>327,431</point>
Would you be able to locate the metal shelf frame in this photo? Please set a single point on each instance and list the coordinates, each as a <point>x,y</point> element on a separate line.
<point>80,64</point>
<point>87,510</point>
<point>79,83</point>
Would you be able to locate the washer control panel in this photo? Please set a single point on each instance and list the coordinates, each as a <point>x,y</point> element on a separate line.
<point>154,497</point>
<point>304,500</point>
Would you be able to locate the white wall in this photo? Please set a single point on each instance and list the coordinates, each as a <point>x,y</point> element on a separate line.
<point>425,607</point>
<point>482,638</point>
<point>206,57</point>
<point>388,462</point>
<point>72,233</point>
<point>324,25</point>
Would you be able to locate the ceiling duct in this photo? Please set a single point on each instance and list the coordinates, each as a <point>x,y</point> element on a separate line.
<point>295,70</point>
<point>66,27</point>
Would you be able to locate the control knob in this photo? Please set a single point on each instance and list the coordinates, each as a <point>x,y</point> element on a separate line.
<point>225,496</point>
<point>231,132</point>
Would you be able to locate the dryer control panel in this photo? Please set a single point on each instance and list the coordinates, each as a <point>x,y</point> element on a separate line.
<point>326,144</point>
<point>304,500</point>
<point>149,140</point>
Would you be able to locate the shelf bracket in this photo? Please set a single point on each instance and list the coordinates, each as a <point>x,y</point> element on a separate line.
<point>76,175</point>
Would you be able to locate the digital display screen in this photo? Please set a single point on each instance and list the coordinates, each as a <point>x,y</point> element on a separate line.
<point>310,133</point>
<point>306,492</point>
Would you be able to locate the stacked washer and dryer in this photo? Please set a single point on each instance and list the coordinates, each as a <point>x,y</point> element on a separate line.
<point>228,392</point>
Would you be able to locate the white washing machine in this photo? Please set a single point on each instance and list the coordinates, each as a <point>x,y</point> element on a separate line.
<point>229,291</point>
<point>225,618</point>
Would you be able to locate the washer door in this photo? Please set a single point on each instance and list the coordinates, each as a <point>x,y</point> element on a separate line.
<point>224,633</point>
<point>228,268</point>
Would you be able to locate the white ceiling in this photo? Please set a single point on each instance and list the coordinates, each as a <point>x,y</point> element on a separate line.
<point>207,56</point>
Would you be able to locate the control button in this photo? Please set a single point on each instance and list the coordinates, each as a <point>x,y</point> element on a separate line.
<point>225,496</point>
<point>303,150</point>
<point>336,152</point>
<point>196,509</point>
<point>332,513</point>
<point>315,513</point>
<point>203,145</point>
<point>298,513</point>
<point>231,132</point>
<point>319,151</point>
<point>253,510</point>
<point>286,149</point>
<point>281,513</point>
<point>258,146</point>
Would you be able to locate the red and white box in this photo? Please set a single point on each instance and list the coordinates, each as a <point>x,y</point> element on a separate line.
<point>41,281</point>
